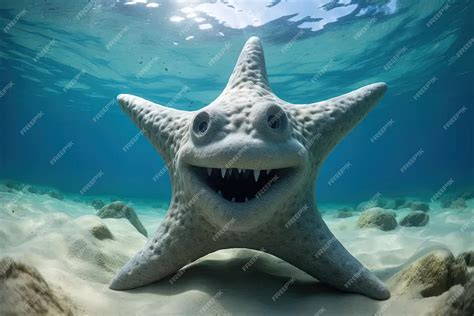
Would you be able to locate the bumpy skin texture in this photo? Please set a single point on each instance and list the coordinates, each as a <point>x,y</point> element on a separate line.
<point>284,220</point>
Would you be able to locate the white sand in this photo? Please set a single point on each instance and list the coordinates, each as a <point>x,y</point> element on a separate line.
<point>53,236</point>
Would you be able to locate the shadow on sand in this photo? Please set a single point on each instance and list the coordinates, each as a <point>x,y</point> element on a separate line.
<point>243,282</point>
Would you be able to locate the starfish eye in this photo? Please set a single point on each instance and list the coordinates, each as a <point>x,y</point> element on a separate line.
<point>201,124</point>
<point>276,118</point>
<point>202,127</point>
<point>273,121</point>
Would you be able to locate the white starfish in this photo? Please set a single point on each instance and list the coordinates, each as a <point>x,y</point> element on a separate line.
<point>267,201</point>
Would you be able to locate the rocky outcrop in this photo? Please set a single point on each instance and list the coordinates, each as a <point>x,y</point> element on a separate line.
<point>468,257</point>
<point>363,206</point>
<point>36,190</point>
<point>377,217</point>
<point>459,302</point>
<point>415,219</point>
<point>467,195</point>
<point>344,213</point>
<point>458,203</point>
<point>431,275</point>
<point>15,185</point>
<point>395,204</point>
<point>386,203</point>
<point>55,194</point>
<point>23,291</point>
<point>119,209</point>
<point>419,206</point>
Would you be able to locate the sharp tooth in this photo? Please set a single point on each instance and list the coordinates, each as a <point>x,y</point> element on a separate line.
<point>239,170</point>
<point>223,172</point>
<point>209,171</point>
<point>246,199</point>
<point>233,199</point>
<point>256,174</point>
<point>269,170</point>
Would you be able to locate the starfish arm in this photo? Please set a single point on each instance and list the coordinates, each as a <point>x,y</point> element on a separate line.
<point>160,124</point>
<point>310,246</point>
<point>172,247</point>
<point>324,124</point>
<point>250,71</point>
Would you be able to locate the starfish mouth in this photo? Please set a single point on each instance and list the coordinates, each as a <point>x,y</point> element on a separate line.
<point>239,185</point>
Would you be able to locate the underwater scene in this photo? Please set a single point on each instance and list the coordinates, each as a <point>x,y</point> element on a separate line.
<point>231,157</point>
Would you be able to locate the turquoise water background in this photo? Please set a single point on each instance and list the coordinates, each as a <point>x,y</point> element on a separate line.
<point>62,63</point>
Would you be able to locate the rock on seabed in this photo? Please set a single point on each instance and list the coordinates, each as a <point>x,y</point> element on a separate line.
<point>23,291</point>
<point>431,275</point>
<point>415,219</point>
<point>377,217</point>
<point>119,209</point>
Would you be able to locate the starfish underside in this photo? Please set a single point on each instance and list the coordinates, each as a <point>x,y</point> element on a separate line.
<point>243,170</point>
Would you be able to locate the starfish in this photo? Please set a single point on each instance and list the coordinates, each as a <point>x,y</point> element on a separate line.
<point>243,170</point>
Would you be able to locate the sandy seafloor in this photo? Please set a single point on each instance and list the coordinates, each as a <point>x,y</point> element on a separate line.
<point>53,236</point>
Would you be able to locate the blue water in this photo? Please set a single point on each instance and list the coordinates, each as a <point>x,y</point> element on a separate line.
<point>63,62</point>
